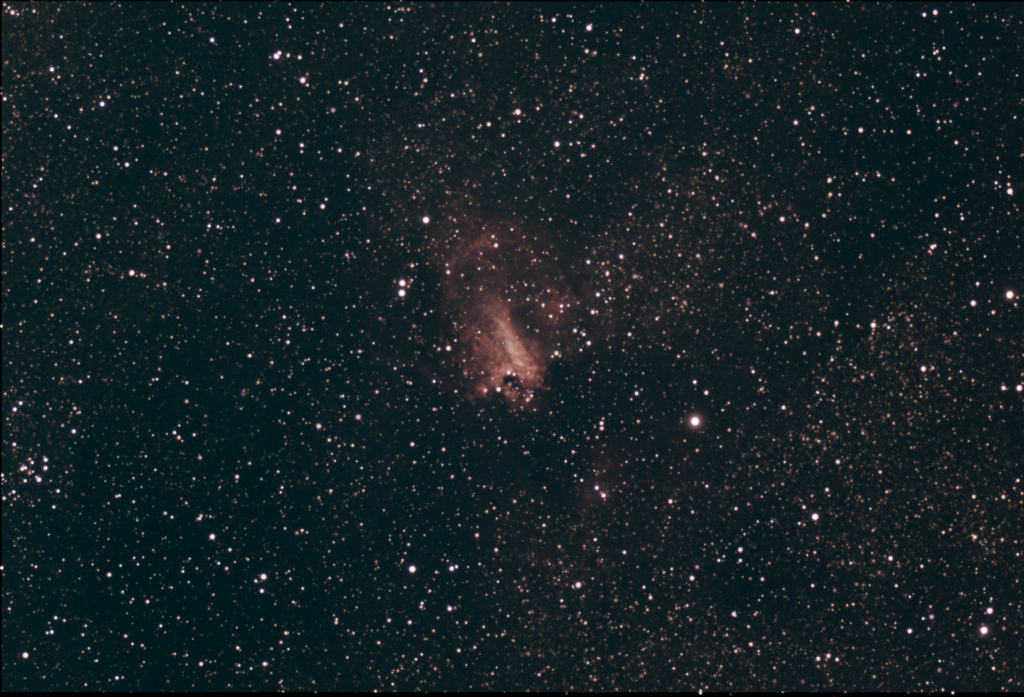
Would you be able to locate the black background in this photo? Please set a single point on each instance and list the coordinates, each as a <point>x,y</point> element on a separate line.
<point>788,212</point>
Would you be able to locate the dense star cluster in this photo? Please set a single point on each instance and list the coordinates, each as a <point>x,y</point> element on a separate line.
<point>443,346</point>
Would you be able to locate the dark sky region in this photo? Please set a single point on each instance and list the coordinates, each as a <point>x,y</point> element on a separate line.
<point>456,346</point>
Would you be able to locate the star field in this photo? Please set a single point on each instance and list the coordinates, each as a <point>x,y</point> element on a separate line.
<point>441,346</point>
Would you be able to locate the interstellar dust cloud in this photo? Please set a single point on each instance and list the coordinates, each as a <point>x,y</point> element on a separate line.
<point>507,301</point>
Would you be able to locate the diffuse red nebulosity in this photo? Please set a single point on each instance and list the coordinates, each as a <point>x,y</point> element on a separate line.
<point>507,298</point>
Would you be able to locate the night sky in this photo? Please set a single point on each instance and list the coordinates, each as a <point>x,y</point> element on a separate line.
<point>446,346</point>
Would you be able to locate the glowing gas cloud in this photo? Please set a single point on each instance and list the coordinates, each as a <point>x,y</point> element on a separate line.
<point>507,301</point>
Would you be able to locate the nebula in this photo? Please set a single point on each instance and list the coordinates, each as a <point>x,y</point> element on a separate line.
<point>507,301</point>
